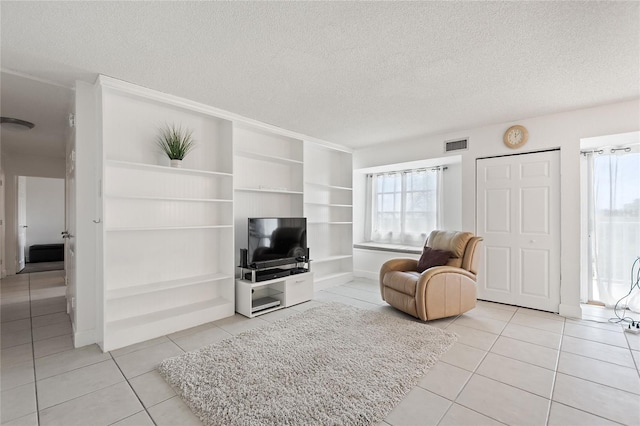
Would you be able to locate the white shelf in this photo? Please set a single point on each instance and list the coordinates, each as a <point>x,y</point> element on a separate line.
<point>259,284</point>
<point>331,258</point>
<point>266,311</point>
<point>272,191</point>
<point>269,158</point>
<point>167,228</point>
<point>147,319</point>
<point>135,329</point>
<point>329,205</point>
<point>324,185</point>
<point>153,198</point>
<point>143,166</point>
<point>119,293</point>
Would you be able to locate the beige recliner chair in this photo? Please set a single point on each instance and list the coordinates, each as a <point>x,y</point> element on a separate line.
<point>440,291</point>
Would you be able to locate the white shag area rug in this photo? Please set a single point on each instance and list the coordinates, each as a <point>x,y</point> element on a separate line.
<point>330,365</point>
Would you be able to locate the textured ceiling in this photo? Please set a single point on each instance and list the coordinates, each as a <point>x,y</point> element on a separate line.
<point>354,73</point>
<point>46,105</point>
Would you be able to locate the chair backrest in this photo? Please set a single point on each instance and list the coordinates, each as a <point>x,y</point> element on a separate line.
<point>462,246</point>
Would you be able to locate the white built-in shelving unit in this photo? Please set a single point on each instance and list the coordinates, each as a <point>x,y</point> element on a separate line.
<point>168,239</point>
<point>268,179</point>
<point>167,233</point>
<point>328,207</point>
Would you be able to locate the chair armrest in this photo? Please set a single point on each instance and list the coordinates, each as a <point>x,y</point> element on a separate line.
<point>438,275</point>
<point>396,265</point>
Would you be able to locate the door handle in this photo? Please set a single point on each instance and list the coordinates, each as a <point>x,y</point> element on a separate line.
<point>24,226</point>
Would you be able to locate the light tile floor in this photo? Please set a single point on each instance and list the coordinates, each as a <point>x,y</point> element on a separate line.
<point>510,365</point>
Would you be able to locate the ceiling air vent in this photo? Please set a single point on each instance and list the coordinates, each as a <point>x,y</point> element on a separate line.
<point>456,145</point>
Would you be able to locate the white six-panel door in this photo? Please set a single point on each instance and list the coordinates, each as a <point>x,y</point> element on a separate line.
<point>518,214</point>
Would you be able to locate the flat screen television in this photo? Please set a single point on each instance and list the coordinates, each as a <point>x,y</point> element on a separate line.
<point>276,241</point>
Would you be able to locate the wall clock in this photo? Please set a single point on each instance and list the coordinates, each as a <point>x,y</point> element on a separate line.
<point>515,136</point>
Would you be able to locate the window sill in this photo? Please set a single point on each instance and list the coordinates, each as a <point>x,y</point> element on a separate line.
<point>395,248</point>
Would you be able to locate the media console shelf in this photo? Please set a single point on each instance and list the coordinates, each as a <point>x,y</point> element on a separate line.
<point>257,298</point>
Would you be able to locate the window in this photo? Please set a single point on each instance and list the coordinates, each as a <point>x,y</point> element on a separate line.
<point>613,202</point>
<point>404,206</point>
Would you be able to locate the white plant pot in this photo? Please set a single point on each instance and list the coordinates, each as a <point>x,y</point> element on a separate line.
<point>176,163</point>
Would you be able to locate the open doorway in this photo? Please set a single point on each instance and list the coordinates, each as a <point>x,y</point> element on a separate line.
<point>41,222</point>
<point>610,212</point>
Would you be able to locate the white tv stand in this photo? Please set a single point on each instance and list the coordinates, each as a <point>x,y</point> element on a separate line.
<point>289,291</point>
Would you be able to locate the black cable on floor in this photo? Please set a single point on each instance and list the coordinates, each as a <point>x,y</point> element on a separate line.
<point>634,284</point>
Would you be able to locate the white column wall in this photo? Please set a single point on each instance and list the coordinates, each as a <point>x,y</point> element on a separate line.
<point>88,306</point>
<point>563,130</point>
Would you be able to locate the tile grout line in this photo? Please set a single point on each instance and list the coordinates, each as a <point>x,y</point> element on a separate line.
<point>586,412</point>
<point>80,396</point>
<point>474,372</point>
<point>597,341</point>
<point>126,379</point>
<point>34,360</point>
<point>33,354</point>
<point>635,362</point>
<point>555,370</point>
<point>73,369</point>
<point>601,360</point>
<point>555,375</point>
<point>453,401</point>
<point>177,344</point>
<point>137,350</point>
<point>564,321</point>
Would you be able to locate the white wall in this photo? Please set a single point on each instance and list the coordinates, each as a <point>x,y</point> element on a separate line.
<point>562,131</point>
<point>3,263</point>
<point>45,211</point>
<point>3,221</point>
<point>366,263</point>
<point>22,165</point>
<point>452,197</point>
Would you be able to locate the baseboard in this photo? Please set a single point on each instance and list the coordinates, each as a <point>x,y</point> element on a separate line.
<point>84,338</point>
<point>570,311</point>
<point>366,274</point>
<point>321,284</point>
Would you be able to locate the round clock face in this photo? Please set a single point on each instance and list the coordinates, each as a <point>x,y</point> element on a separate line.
<point>515,136</point>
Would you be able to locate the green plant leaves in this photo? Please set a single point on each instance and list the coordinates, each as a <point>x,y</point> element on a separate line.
<point>175,141</point>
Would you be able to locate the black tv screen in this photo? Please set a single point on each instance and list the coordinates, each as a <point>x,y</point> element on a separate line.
<point>277,239</point>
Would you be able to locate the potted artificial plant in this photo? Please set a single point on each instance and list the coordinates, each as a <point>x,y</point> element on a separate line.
<point>176,143</point>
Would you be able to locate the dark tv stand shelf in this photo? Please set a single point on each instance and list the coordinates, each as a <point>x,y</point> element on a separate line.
<point>259,274</point>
